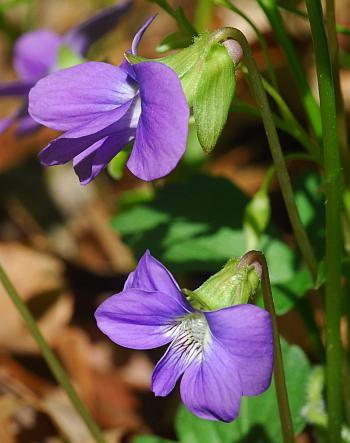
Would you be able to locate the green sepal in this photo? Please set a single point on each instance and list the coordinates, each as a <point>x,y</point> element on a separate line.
<point>67,58</point>
<point>115,167</point>
<point>232,285</point>
<point>213,96</point>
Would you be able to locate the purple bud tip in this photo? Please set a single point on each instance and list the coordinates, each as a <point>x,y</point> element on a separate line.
<point>234,50</point>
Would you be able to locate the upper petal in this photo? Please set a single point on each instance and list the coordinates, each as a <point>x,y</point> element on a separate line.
<point>81,37</point>
<point>75,96</point>
<point>139,34</point>
<point>151,275</point>
<point>211,386</point>
<point>246,332</point>
<point>139,319</point>
<point>163,127</point>
<point>35,53</point>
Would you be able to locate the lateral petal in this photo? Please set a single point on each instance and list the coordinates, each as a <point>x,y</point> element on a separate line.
<point>76,96</point>
<point>139,319</point>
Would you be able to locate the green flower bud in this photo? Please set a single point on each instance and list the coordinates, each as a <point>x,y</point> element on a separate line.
<point>232,285</point>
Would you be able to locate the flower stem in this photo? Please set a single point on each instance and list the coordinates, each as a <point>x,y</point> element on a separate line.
<point>275,146</point>
<point>203,14</point>
<point>52,361</point>
<point>258,259</point>
<point>333,220</point>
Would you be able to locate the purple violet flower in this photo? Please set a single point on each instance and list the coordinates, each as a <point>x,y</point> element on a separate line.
<point>221,355</point>
<point>102,108</point>
<point>35,56</point>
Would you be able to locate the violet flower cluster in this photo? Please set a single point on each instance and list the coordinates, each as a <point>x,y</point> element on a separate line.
<point>102,108</point>
<point>36,54</point>
<point>221,355</point>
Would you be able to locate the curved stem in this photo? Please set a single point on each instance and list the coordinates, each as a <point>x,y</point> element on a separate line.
<point>51,360</point>
<point>275,146</point>
<point>333,220</point>
<point>259,35</point>
<point>258,259</point>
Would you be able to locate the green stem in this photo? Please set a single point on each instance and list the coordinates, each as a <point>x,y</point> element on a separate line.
<point>52,361</point>
<point>258,259</point>
<point>295,131</point>
<point>259,36</point>
<point>203,15</point>
<point>271,10</point>
<point>333,220</point>
<point>275,146</point>
<point>339,103</point>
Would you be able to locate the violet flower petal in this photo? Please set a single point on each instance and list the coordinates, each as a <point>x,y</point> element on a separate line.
<point>81,37</point>
<point>151,275</point>
<point>170,368</point>
<point>35,53</point>
<point>139,34</point>
<point>93,160</point>
<point>161,134</point>
<point>73,97</point>
<point>245,331</point>
<point>211,385</point>
<point>139,319</point>
<point>15,88</point>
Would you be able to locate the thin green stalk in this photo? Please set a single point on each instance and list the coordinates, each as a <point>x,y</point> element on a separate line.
<point>312,147</point>
<point>275,146</point>
<point>333,220</point>
<point>339,102</point>
<point>259,35</point>
<point>258,259</point>
<point>296,132</point>
<point>203,15</point>
<point>270,7</point>
<point>51,360</point>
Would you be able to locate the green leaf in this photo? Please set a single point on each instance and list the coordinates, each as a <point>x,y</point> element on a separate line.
<point>176,40</point>
<point>213,96</point>
<point>196,226</point>
<point>259,418</point>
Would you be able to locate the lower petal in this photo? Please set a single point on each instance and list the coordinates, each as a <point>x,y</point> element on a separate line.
<point>178,357</point>
<point>246,332</point>
<point>211,387</point>
<point>91,162</point>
